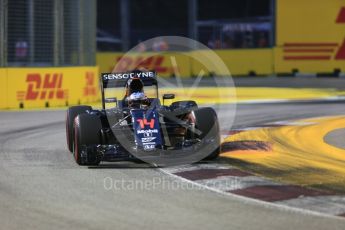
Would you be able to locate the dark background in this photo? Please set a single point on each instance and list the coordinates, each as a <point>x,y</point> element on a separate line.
<point>150,18</point>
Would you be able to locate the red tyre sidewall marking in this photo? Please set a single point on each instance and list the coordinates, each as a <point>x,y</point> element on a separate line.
<point>75,142</point>
<point>67,130</point>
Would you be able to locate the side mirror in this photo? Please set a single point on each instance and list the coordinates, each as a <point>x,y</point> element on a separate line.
<point>168,96</point>
<point>111,100</point>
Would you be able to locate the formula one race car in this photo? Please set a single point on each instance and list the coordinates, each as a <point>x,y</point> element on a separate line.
<point>139,127</point>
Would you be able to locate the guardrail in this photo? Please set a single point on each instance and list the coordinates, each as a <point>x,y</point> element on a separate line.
<point>168,64</point>
<point>248,62</point>
<point>48,87</point>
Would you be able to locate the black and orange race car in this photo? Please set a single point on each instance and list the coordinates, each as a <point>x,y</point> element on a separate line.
<point>140,126</point>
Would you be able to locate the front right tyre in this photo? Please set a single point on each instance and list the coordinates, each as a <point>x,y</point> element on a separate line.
<point>208,126</point>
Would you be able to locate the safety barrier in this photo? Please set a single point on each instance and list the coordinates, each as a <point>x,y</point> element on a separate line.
<point>186,64</point>
<point>3,88</point>
<point>48,87</point>
<point>310,36</point>
<point>166,64</point>
<point>241,62</point>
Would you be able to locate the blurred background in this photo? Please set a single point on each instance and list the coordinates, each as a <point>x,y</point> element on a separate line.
<point>225,24</point>
<point>51,32</point>
<point>47,32</point>
<point>73,40</point>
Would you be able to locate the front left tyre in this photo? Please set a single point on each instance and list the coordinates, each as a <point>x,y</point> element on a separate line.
<point>71,114</point>
<point>87,130</point>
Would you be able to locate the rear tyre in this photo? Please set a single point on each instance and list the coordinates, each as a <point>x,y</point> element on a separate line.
<point>86,134</point>
<point>185,105</point>
<point>71,114</point>
<point>207,123</point>
<point>182,109</point>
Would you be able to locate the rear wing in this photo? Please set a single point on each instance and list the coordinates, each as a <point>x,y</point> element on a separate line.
<point>116,80</point>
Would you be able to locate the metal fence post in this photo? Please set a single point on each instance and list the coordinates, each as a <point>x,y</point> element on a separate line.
<point>124,12</point>
<point>92,34</point>
<point>56,33</point>
<point>81,33</point>
<point>31,30</point>
<point>61,34</point>
<point>3,32</point>
<point>192,19</point>
<point>58,44</point>
<point>273,23</point>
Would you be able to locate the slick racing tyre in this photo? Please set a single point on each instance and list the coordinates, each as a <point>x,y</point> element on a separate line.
<point>72,113</point>
<point>86,134</point>
<point>186,105</point>
<point>207,124</point>
<point>181,109</point>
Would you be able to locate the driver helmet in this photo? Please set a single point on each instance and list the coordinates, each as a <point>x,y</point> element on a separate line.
<point>137,96</point>
<point>134,85</point>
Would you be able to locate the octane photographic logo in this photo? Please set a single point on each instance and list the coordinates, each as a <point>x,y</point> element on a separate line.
<point>200,75</point>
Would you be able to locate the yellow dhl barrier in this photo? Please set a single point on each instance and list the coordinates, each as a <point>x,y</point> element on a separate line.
<point>166,64</point>
<point>3,88</point>
<point>186,64</point>
<point>304,64</point>
<point>48,87</point>
<point>238,62</point>
<point>310,36</point>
